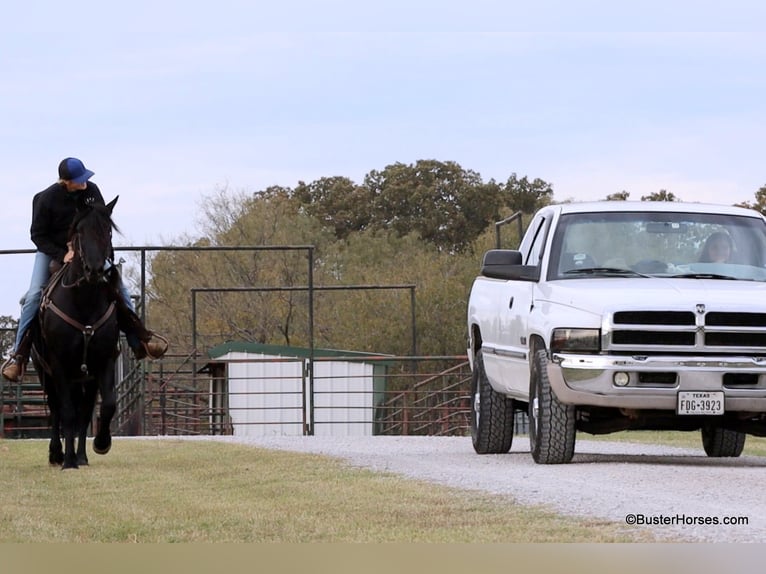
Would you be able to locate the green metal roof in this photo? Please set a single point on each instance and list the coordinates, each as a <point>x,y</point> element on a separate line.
<point>287,351</point>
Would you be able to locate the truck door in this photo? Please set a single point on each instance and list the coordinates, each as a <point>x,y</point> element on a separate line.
<point>513,304</point>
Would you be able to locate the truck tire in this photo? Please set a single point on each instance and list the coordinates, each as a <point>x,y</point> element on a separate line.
<point>491,414</point>
<point>720,442</point>
<point>551,423</point>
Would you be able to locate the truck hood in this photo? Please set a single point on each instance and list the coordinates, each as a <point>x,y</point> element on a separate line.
<point>600,295</point>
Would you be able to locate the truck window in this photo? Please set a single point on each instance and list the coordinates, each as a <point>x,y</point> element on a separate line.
<point>534,240</point>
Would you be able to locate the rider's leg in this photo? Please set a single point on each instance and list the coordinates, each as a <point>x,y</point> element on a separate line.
<point>142,341</point>
<point>13,368</point>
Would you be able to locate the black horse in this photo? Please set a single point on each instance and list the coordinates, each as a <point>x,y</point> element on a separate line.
<point>76,346</point>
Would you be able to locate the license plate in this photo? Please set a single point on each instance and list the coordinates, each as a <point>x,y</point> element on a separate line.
<point>700,403</point>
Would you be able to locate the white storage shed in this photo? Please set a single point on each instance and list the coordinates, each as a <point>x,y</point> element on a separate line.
<point>265,390</point>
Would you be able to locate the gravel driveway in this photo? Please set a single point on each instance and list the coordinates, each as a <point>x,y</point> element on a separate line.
<point>674,492</point>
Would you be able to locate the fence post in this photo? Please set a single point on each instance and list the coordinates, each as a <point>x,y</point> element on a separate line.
<point>163,413</point>
<point>2,407</point>
<point>406,413</point>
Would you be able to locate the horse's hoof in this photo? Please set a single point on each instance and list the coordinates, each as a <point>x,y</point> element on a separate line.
<point>56,458</point>
<point>102,449</point>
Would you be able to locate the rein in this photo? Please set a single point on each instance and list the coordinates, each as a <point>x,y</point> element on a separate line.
<point>75,241</point>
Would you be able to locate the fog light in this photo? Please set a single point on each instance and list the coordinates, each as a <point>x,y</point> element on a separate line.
<point>621,379</point>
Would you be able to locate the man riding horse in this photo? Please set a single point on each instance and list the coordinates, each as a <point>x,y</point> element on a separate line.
<point>53,211</point>
<point>74,354</point>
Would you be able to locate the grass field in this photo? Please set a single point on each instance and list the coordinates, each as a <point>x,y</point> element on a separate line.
<point>754,445</point>
<point>181,491</point>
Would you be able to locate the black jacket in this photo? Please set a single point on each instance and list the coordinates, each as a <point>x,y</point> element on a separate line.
<point>53,211</point>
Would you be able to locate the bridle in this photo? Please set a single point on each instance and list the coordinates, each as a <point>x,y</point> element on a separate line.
<point>77,244</point>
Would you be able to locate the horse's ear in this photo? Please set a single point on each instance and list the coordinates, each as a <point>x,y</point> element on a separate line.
<point>110,205</point>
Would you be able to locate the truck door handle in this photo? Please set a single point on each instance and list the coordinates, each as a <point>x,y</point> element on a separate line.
<point>510,303</point>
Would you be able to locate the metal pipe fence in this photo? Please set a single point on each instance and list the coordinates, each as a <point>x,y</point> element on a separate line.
<point>268,395</point>
<point>177,396</point>
<point>381,395</point>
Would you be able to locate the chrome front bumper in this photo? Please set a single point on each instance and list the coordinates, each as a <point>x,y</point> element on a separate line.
<point>589,380</point>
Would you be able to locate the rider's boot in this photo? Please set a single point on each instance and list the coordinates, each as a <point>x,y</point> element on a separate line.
<point>144,343</point>
<point>14,368</point>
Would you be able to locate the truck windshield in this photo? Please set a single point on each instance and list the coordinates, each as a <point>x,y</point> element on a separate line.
<point>656,244</point>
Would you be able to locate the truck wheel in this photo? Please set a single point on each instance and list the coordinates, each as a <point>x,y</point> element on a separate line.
<point>551,423</point>
<point>719,442</point>
<point>491,414</point>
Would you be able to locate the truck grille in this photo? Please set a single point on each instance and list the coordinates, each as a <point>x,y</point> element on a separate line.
<point>685,331</point>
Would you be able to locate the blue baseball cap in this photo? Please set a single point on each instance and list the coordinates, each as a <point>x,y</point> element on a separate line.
<point>72,169</point>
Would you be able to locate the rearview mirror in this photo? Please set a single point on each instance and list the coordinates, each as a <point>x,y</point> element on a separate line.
<point>665,227</point>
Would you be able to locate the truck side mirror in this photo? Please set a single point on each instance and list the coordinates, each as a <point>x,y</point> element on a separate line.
<point>501,257</point>
<point>506,264</point>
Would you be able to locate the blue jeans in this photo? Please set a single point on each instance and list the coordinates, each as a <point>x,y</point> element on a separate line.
<point>31,303</point>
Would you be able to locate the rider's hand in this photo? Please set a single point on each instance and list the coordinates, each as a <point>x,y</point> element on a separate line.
<point>69,254</point>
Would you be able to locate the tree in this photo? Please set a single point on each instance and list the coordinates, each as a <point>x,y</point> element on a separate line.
<point>760,201</point>
<point>378,321</point>
<point>661,195</point>
<point>271,218</point>
<point>337,202</point>
<point>619,196</point>
<point>524,195</point>
<point>8,327</point>
<point>441,202</point>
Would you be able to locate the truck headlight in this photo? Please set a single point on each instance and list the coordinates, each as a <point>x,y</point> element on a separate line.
<point>576,340</point>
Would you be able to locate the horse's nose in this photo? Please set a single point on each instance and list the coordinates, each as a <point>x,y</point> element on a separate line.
<point>93,273</point>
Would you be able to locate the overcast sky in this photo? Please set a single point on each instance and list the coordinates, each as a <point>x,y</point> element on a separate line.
<point>169,100</point>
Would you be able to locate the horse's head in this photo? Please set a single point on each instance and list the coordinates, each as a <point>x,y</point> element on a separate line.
<point>91,238</point>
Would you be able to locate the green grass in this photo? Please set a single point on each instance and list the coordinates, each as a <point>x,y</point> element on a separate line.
<point>182,491</point>
<point>754,445</point>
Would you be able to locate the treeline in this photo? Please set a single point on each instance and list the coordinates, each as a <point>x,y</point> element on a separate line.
<point>423,224</point>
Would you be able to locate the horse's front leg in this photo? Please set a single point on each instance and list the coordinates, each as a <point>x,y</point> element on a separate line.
<point>70,456</point>
<point>84,419</point>
<point>102,442</point>
<point>55,451</point>
<point>68,417</point>
<point>82,437</point>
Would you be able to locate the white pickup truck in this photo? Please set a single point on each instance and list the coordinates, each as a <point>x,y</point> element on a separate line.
<point>622,315</point>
